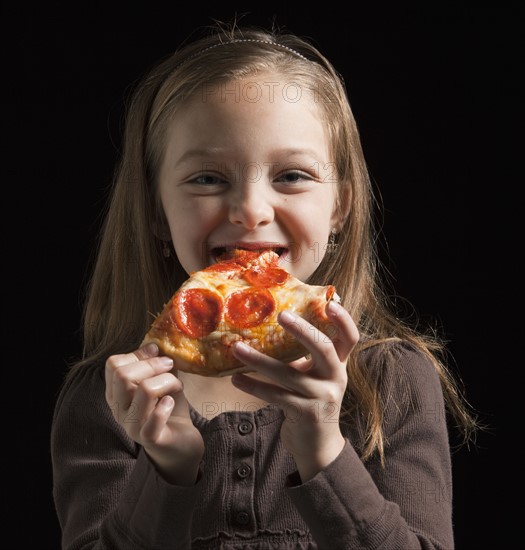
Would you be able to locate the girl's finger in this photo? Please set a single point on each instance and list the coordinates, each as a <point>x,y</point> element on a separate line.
<point>116,361</point>
<point>149,392</point>
<point>152,428</point>
<point>290,379</point>
<point>141,354</point>
<point>271,393</point>
<point>320,346</point>
<point>123,378</point>
<point>346,334</point>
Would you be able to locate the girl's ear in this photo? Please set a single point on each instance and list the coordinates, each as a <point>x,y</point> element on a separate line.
<point>159,224</point>
<point>342,206</point>
<point>161,230</point>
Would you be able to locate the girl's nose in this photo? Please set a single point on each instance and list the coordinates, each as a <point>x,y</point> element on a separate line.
<point>250,206</point>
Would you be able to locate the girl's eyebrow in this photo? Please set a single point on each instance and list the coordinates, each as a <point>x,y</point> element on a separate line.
<point>207,152</point>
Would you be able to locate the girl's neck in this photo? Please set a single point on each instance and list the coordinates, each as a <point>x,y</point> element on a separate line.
<point>211,396</point>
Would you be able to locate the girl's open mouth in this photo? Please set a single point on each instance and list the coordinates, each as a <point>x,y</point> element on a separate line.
<point>230,251</point>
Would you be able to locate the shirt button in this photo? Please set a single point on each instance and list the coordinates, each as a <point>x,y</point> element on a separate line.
<point>242,518</point>
<point>245,428</point>
<point>244,471</point>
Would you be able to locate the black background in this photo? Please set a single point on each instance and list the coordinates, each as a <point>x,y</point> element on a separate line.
<point>436,97</point>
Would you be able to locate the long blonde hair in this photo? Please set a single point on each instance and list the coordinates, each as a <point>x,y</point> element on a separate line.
<point>132,279</point>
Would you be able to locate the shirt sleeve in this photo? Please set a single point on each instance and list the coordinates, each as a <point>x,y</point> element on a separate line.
<point>407,503</point>
<point>107,493</point>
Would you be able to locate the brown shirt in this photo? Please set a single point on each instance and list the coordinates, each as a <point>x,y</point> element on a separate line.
<point>108,494</point>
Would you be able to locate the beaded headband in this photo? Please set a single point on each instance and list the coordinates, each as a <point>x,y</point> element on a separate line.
<point>243,40</point>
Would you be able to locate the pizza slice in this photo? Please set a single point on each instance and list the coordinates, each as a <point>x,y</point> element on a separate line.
<point>237,298</point>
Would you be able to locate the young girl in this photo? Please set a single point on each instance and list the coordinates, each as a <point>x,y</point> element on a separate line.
<point>245,139</point>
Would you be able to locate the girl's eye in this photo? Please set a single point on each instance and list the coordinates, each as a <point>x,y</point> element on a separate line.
<point>207,179</point>
<point>293,177</point>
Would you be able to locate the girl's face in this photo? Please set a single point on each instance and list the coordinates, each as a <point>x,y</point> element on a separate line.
<point>247,165</point>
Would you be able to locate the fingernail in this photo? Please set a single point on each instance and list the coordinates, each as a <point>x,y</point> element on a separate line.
<point>242,347</point>
<point>166,361</point>
<point>167,402</point>
<point>152,349</point>
<point>287,317</point>
<point>334,308</point>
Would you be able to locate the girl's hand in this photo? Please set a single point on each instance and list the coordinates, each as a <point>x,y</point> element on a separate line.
<point>148,402</point>
<point>310,390</point>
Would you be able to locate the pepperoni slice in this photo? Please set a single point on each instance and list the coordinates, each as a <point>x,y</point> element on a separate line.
<point>197,311</point>
<point>249,307</point>
<point>266,276</point>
